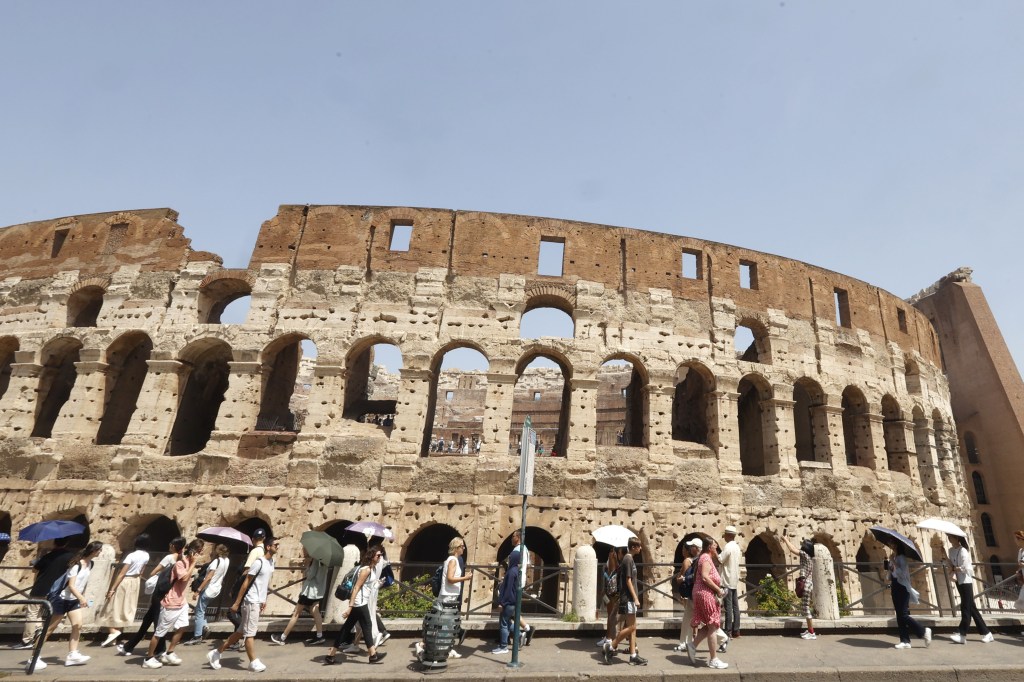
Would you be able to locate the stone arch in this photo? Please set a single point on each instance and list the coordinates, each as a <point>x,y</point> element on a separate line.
<point>85,302</point>
<point>810,422</point>
<point>751,415</point>
<point>9,345</point>
<point>764,556</point>
<point>560,312</point>
<point>161,530</point>
<point>202,388</point>
<point>857,429</point>
<point>337,529</point>
<point>759,348</point>
<point>250,524</point>
<point>459,423</point>
<point>912,376</point>
<point>219,290</point>
<point>127,365</point>
<point>76,514</point>
<point>426,549</point>
<point>894,435</point>
<point>56,380</point>
<point>824,538</point>
<point>630,400</point>
<point>543,570</point>
<point>551,296</point>
<point>359,365</point>
<point>548,406</point>
<point>694,384</point>
<point>281,360</point>
<point>870,574</point>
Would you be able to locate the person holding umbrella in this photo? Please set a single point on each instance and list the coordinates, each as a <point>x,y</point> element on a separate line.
<point>314,587</point>
<point>959,559</point>
<point>903,595</point>
<point>48,568</point>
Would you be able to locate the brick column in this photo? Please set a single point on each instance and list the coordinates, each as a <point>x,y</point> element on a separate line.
<point>583,421</point>
<point>80,416</point>
<point>497,413</point>
<point>156,407</point>
<point>18,405</point>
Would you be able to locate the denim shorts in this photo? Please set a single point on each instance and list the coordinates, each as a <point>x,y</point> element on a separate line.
<point>63,606</point>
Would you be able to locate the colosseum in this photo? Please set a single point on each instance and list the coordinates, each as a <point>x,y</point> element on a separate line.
<point>127,403</point>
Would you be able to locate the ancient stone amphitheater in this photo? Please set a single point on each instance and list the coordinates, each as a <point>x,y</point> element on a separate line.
<point>128,404</point>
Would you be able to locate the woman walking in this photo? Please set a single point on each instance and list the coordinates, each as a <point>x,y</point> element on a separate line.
<point>451,588</point>
<point>611,593</point>
<point>314,586</point>
<point>682,579</point>
<point>903,595</point>
<point>70,603</point>
<point>806,553</point>
<point>359,609</point>
<point>118,610</point>
<point>959,558</point>
<point>209,589</point>
<point>707,610</point>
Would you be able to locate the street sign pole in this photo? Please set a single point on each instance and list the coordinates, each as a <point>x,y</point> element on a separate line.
<point>527,453</point>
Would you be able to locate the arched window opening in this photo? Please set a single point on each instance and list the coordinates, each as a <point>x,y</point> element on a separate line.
<point>894,436</point>
<point>224,301</point>
<point>543,574</point>
<point>690,406</point>
<point>288,365</point>
<point>84,306</point>
<point>75,542</point>
<point>970,444</point>
<point>912,374</point>
<point>541,393</point>
<point>455,413</point>
<point>372,378</point>
<point>979,488</point>
<point>621,404</point>
<point>339,531</point>
<point>127,366</point>
<point>750,414</point>
<point>869,558</point>
<point>752,343</point>
<point>160,529</point>
<point>546,321</point>
<point>986,528</point>
<point>8,347</point>
<point>810,424</point>
<point>857,429</point>
<point>203,391</point>
<point>764,557</point>
<point>55,383</point>
<point>427,549</point>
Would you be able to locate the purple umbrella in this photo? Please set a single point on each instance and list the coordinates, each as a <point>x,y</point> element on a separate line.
<point>222,533</point>
<point>369,528</point>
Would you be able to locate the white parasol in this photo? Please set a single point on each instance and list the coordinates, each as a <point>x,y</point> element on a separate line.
<point>942,526</point>
<point>616,536</point>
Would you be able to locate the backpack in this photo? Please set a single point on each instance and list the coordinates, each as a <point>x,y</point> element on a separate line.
<point>437,580</point>
<point>344,590</point>
<point>611,583</point>
<point>686,586</point>
<point>200,576</point>
<point>163,583</point>
<point>57,587</point>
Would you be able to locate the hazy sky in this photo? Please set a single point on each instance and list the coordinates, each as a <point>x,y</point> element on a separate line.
<point>879,139</point>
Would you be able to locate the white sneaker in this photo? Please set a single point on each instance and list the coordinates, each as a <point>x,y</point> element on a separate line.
<point>601,642</point>
<point>75,658</point>
<point>901,645</point>
<point>257,666</point>
<point>213,656</point>
<point>454,654</point>
<point>500,650</point>
<point>351,649</point>
<point>717,664</point>
<point>681,647</point>
<point>40,664</point>
<point>987,639</point>
<point>808,635</point>
<point>110,638</point>
<point>927,637</point>
<point>957,638</point>
<point>170,658</point>
<point>152,664</point>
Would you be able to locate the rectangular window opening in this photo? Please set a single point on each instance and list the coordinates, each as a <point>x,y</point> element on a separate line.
<point>536,395</point>
<point>748,274</point>
<point>59,237</point>
<point>550,259</point>
<point>401,235</point>
<point>449,395</point>
<point>691,264</point>
<point>901,317</point>
<point>842,301</point>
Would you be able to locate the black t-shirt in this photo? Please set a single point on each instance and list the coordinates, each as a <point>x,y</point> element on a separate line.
<point>627,571</point>
<point>50,567</point>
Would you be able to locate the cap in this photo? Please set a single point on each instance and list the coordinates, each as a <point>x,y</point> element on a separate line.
<point>695,542</point>
<point>730,530</point>
<point>259,534</point>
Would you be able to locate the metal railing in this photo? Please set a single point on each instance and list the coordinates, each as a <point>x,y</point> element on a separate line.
<point>45,611</point>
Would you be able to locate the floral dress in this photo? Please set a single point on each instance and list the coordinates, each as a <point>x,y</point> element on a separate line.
<point>807,573</point>
<point>706,609</point>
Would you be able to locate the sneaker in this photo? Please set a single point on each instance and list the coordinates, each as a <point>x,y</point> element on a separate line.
<point>352,648</point>
<point>383,638</point>
<point>809,635</point>
<point>958,638</point>
<point>500,650</point>
<point>419,649</point>
<point>237,646</point>
<point>454,654</point>
<point>681,647</point>
<point>723,647</point>
<point>213,656</point>
<point>40,664</point>
<point>170,658</point>
<point>121,651</point>
<point>601,642</point>
<point>636,660</point>
<point>152,664</point>
<point>110,638</point>
<point>315,639</point>
<point>607,652</point>
<point>691,653</point>
<point>23,645</point>
<point>377,657</point>
<point>277,639</point>
<point>902,645</point>
<point>927,637</point>
<point>75,658</point>
<point>717,664</point>
<point>194,640</point>
<point>257,666</point>
<point>987,639</point>
<point>530,633</point>
<point>378,640</point>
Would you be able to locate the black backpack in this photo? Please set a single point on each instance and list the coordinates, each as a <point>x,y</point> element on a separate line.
<point>437,580</point>
<point>347,583</point>
<point>163,583</point>
<point>57,587</point>
<point>686,586</point>
<point>200,576</point>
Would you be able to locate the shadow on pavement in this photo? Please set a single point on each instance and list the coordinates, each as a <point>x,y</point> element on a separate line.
<point>863,642</point>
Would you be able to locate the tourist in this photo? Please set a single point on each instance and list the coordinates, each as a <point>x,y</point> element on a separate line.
<point>363,591</point>
<point>314,587</point>
<point>686,573</point>
<point>124,648</point>
<point>903,595</point>
<point>1018,535</point>
<point>208,590</point>
<point>173,617</point>
<point>71,601</point>
<point>508,594</point>
<point>49,568</point>
<point>526,631</point>
<point>730,558</point>
<point>118,611</point>
<point>249,603</point>
<point>628,603</point>
<point>806,553</point>
<point>959,558</point>
<point>707,614</point>
<point>611,594</point>
<point>450,595</point>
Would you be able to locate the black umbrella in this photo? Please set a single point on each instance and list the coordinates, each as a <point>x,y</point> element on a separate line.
<point>890,538</point>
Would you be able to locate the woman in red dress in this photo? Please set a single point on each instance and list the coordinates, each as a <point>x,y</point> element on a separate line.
<point>707,608</point>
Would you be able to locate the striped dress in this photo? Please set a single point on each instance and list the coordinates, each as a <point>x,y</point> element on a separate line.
<point>706,609</point>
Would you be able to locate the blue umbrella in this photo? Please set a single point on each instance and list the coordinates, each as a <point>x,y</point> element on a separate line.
<point>50,530</point>
<point>889,537</point>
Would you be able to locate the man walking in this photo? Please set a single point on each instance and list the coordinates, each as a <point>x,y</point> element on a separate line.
<point>250,602</point>
<point>730,558</point>
<point>173,617</point>
<point>507,602</point>
<point>48,568</point>
<point>628,600</point>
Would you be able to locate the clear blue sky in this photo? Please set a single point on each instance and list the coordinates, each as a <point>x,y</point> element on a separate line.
<point>883,140</point>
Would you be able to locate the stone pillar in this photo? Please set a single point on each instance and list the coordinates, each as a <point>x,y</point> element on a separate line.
<point>413,400</point>
<point>237,414</point>
<point>825,598</point>
<point>876,426</point>
<point>326,397</point>
<point>18,405</point>
<point>584,584</point>
<point>583,421</point>
<point>832,447</point>
<point>927,460</point>
<point>783,431</point>
<point>724,438</point>
<point>904,457</point>
<point>99,580</point>
<point>156,407</point>
<point>334,606</point>
<point>80,416</point>
<point>497,413</point>
<point>659,400</point>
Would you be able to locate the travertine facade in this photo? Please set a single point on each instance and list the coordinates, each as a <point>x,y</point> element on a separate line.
<point>124,399</point>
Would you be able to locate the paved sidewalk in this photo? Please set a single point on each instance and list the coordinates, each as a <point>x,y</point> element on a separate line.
<point>848,656</point>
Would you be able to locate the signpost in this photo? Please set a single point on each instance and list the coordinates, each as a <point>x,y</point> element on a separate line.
<point>527,459</point>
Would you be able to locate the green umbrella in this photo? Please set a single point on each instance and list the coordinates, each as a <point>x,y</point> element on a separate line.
<point>322,547</point>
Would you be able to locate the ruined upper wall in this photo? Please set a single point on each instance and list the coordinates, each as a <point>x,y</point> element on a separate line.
<point>477,244</point>
<point>97,244</point>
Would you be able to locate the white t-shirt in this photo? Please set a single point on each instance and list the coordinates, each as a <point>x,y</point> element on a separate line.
<point>262,569</point>
<point>450,589</point>
<point>962,565</point>
<point>730,558</point>
<point>219,568</point>
<point>136,561</point>
<point>81,576</point>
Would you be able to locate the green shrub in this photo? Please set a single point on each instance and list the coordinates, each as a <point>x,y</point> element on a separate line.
<point>844,601</point>
<point>570,618</point>
<point>398,601</point>
<point>775,598</point>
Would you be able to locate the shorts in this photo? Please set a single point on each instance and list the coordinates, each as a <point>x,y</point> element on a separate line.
<point>171,620</point>
<point>307,601</point>
<point>627,607</point>
<point>248,619</point>
<point>62,606</point>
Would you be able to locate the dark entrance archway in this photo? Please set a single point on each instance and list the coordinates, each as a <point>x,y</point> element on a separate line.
<point>543,569</point>
<point>427,549</point>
